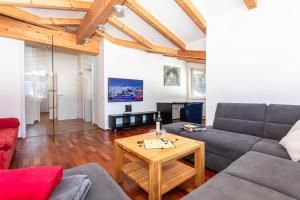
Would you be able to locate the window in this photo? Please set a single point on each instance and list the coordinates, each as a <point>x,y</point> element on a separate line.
<point>198,83</point>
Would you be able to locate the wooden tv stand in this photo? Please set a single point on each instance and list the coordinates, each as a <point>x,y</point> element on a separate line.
<point>129,120</point>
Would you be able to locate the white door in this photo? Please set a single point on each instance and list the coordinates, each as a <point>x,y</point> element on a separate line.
<point>67,96</point>
<point>67,74</point>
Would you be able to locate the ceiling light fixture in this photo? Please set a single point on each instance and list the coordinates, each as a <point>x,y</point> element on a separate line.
<point>86,40</point>
<point>100,27</point>
<point>119,10</point>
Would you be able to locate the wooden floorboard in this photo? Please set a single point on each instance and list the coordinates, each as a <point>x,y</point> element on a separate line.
<point>78,143</point>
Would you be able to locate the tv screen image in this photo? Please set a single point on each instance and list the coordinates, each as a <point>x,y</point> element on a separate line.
<point>125,90</point>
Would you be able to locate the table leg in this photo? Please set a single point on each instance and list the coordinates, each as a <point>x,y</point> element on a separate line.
<point>119,163</point>
<point>155,169</point>
<point>200,166</point>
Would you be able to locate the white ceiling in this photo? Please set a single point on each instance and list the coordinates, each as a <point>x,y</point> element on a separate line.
<point>166,11</point>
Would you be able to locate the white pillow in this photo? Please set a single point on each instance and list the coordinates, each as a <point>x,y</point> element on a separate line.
<point>292,145</point>
<point>294,128</point>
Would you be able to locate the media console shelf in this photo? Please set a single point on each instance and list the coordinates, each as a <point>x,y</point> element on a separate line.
<point>128,120</point>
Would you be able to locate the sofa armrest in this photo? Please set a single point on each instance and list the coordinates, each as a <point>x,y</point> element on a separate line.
<point>9,123</point>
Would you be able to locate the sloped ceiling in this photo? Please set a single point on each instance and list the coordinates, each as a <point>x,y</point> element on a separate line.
<point>166,11</point>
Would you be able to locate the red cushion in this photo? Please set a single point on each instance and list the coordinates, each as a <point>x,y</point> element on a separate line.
<point>35,183</point>
<point>2,160</point>
<point>9,123</point>
<point>4,144</point>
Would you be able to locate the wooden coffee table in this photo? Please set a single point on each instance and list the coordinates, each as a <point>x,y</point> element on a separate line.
<point>157,171</point>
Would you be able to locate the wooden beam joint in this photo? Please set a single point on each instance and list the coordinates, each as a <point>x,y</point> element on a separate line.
<point>251,4</point>
<point>98,14</point>
<point>19,30</point>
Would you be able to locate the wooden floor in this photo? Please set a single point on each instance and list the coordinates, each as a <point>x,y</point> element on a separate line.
<point>79,143</point>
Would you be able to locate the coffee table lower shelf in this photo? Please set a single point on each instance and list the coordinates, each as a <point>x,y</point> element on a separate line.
<point>173,174</point>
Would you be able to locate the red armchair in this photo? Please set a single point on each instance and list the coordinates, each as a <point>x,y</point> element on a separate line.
<point>9,128</point>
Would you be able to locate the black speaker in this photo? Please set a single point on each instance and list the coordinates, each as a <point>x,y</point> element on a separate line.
<point>128,108</point>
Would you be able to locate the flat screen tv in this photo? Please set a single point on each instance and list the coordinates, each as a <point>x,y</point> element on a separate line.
<point>124,90</point>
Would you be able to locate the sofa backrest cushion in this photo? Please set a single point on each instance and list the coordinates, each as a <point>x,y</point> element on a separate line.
<point>241,118</point>
<point>9,123</point>
<point>280,119</point>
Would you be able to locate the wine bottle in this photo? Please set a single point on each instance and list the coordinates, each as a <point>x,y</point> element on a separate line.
<point>158,123</point>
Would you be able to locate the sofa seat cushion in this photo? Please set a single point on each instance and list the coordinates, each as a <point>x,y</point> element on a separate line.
<point>5,144</point>
<point>269,171</point>
<point>271,147</point>
<point>175,127</point>
<point>227,144</point>
<point>103,186</point>
<point>226,187</point>
<point>9,133</point>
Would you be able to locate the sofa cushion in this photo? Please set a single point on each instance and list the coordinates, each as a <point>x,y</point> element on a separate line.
<point>4,144</point>
<point>271,147</point>
<point>269,171</point>
<point>34,183</point>
<point>175,127</point>
<point>241,118</point>
<point>224,143</point>
<point>9,133</point>
<point>103,186</point>
<point>279,120</point>
<point>226,187</point>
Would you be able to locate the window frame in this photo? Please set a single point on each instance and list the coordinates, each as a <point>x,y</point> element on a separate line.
<point>190,84</point>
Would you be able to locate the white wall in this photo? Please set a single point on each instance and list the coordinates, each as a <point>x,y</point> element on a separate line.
<point>101,84</point>
<point>253,56</point>
<point>12,103</point>
<point>121,62</point>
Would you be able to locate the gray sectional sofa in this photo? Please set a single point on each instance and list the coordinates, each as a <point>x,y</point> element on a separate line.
<point>243,144</point>
<point>239,128</point>
<point>254,176</point>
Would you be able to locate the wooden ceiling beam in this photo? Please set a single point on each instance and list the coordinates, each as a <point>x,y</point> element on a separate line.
<point>251,4</point>
<point>184,54</point>
<point>193,60</point>
<point>98,14</point>
<point>128,31</point>
<point>60,21</point>
<point>50,4</point>
<point>152,21</point>
<point>19,30</point>
<point>188,7</point>
<point>16,13</point>
<point>192,54</point>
